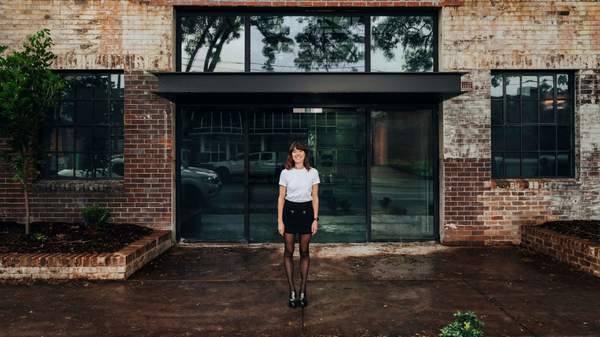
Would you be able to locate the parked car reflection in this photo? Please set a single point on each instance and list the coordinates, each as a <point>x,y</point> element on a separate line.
<point>198,184</point>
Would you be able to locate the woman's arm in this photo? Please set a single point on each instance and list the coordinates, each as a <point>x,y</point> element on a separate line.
<point>280,201</point>
<point>315,205</point>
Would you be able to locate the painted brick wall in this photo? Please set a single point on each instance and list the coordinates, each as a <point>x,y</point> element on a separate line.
<point>481,36</point>
<point>475,36</point>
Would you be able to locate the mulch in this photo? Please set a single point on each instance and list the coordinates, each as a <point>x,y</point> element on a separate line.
<point>583,229</point>
<point>53,237</point>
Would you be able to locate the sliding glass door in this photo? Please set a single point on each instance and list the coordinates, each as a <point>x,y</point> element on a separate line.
<point>230,160</point>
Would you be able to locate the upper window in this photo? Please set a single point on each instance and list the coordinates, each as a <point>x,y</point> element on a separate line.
<point>211,42</point>
<point>532,125</point>
<point>84,136</point>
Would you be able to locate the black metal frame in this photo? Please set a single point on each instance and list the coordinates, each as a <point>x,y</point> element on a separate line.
<point>538,124</point>
<point>366,110</point>
<point>75,125</point>
<point>246,12</point>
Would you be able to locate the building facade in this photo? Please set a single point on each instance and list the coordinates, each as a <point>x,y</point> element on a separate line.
<point>456,121</point>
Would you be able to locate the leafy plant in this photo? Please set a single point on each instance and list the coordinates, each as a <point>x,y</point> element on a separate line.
<point>37,236</point>
<point>95,216</point>
<point>28,89</point>
<point>465,324</point>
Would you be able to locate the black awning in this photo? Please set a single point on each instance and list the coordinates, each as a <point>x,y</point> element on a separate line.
<point>308,87</point>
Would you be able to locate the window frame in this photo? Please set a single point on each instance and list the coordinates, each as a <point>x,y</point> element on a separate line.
<point>538,124</point>
<point>52,123</point>
<point>366,13</point>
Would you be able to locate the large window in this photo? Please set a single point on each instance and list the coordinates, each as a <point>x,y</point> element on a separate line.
<point>84,136</point>
<point>532,125</point>
<point>305,41</point>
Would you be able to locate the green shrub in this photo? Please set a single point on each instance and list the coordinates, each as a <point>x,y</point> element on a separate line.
<point>95,216</point>
<point>37,236</point>
<point>465,324</point>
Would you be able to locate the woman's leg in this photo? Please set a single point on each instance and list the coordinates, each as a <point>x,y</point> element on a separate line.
<point>288,260</point>
<point>304,259</point>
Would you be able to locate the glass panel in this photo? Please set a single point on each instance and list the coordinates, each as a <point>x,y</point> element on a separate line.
<point>211,204</point>
<point>84,86</point>
<point>84,140</point>
<point>307,43</point>
<point>85,112</point>
<point>563,112</point>
<point>564,138</point>
<point>65,165</point>
<point>546,87</point>
<point>101,141</point>
<point>117,86</point>
<point>65,140</point>
<point>497,86</point>
<point>84,165</point>
<point>498,138</point>
<point>497,113</point>
<point>547,164</point>
<point>498,165</point>
<point>212,43</point>
<point>102,165</point>
<point>66,112</point>
<point>530,111</point>
<point>116,112</point>
<point>513,138</point>
<point>513,111</point>
<point>547,111</point>
<point>529,89</point>
<point>117,140</point>
<point>547,138</point>
<point>513,86</point>
<point>512,162</point>
<point>101,86</point>
<point>530,164</point>
<point>402,174</point>
<point>101,112</point>
<point>402,43</point>
<point>564,164</point>
<point>337,152</point>
<point>530,138</point>
<point>48,167</point>
<point>562,86</point>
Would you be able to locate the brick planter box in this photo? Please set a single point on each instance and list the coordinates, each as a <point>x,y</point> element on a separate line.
<point>579,253</point>
<point>107,266</point>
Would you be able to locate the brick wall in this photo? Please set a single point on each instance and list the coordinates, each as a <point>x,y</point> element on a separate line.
<point>475,36</point>
<point>480,36</point>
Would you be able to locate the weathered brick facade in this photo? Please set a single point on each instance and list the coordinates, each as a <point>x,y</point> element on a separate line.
<point>474,37</point>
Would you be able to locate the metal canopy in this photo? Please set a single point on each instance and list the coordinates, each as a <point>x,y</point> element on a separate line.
<point>315,88</point>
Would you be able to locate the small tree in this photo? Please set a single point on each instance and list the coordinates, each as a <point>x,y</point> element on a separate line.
<point>28,89</point>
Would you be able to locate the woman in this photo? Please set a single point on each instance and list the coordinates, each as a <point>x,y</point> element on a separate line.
<point>297,213</point>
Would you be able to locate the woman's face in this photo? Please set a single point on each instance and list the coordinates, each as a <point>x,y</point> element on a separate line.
<point>298,156</point>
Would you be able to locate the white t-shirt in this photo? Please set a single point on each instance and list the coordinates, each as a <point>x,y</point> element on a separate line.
<point>298,183</point>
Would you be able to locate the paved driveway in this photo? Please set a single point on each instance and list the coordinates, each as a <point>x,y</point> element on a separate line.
<point>354,290</point>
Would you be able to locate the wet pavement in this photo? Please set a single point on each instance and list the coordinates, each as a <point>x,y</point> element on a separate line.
<point>354,290</point>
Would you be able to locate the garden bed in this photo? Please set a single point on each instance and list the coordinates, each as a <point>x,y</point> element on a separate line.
<point>574,242</point>
<point>71,251</point>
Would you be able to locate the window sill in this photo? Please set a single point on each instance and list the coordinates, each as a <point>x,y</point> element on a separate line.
<point>534,183</point>
<point>114,186</point>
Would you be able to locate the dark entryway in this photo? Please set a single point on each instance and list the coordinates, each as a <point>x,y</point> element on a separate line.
<point>377,167</point>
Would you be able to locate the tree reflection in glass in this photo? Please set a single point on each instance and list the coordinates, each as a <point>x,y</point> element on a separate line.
<point>402,43</point>
<point>204,39</point>
<point>307,43</point>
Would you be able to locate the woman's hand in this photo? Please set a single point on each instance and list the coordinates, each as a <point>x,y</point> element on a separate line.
<point>314,226</point>
<point>280,228</point>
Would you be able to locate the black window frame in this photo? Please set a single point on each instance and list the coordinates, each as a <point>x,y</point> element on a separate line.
<point>538,124</point>
<point>52,122</point>
<point>366,13</point>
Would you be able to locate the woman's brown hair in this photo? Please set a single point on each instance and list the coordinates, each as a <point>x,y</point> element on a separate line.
<point>289,162</point>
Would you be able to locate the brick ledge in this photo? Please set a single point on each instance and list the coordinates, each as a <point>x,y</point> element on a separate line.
<point>116,265</point>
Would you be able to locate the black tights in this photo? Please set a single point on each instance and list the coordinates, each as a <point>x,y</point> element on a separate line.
<point>288,259</point>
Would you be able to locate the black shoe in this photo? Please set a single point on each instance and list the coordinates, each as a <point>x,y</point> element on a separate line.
<point>303,300</point>
<point>292,301</point>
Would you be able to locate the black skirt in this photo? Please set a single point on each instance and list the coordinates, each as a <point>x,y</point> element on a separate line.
<point>297,217</point>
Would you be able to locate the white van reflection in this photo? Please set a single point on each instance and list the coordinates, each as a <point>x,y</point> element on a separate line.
<point>198,184</point>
